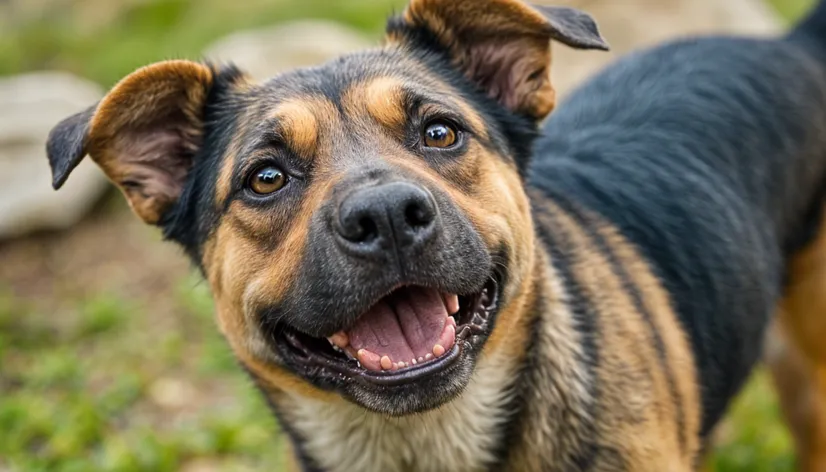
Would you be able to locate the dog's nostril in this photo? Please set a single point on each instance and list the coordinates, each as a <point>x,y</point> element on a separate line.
<point>358,228</point>
<point>367,230</point>
<point>416,216</point>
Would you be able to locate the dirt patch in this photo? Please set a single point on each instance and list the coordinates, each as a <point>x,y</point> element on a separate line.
<point>110,251</point>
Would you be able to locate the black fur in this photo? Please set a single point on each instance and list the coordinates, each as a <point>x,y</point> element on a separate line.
<point>708,154</point>
<point>191,220</point>
<point>573,27</point>
<point>66,145</point>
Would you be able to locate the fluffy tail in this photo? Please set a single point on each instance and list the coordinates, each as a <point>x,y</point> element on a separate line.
<point>812,29</point>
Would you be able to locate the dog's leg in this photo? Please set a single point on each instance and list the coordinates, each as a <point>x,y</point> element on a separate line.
<point>797,354</point>
<point>802,398</point>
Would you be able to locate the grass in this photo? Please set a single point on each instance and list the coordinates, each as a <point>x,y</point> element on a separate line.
<point>91,396</point>
<point>142,32</point>
<point>90,382</point>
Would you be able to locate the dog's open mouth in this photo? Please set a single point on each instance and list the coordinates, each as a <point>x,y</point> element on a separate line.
<point>411,333</point>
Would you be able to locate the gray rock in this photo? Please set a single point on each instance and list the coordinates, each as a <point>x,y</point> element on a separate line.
<point>31,105</point>
<point>266,52</point>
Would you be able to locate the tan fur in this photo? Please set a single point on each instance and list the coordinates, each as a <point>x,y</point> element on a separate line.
<point>450,17</point>
<point>801,387</point>
<point>223,185</point>
<point>507,35</point>
<point>799,367</point>
<point>460,436</point>
<point>637,418</point>
<point>382,98</point>
<point>174,91</point>
<point>675,341</point>
<point>561,383</point>
<point>298,126</point>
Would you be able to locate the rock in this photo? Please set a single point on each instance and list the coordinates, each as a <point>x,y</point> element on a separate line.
<point>632,24</point>
<point>171,393</point>
<point>626,25</point>
<point>31,105</point>
<point>266,52</point>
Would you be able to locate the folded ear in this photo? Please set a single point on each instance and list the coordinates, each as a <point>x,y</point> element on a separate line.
<point>143,134</point>
<point>501,45</point>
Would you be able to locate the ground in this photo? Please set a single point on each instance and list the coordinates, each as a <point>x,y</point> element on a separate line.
<point>109,356</point>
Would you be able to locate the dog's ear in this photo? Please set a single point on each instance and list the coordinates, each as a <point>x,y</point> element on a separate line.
<point>143,134</point>
<point>501,45</point>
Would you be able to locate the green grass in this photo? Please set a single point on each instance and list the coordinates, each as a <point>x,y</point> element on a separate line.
<point>791,8</point>
<point>148,31</point>
<point>93,385</point>
<point>753,437</point>
<point>90,396</point>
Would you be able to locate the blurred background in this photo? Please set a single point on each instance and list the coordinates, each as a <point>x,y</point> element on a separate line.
<point>109,357</point>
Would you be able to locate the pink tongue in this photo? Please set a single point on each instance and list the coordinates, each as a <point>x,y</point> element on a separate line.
<point>404,327</point>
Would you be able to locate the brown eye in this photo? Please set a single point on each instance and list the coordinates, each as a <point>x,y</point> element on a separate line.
<point>267,180</point>
<point>439,135</point>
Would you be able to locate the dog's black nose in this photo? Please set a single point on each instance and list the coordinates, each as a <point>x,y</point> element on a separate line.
<point>385,217</point>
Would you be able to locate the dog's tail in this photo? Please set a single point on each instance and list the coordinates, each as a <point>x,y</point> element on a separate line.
<point>812,29</point>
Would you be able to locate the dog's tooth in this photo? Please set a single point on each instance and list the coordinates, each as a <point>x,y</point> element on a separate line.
<point>421,359</point>
<point>398,366</point>
<point>386,363</point>
<point>451,303</point>
<point>370,360</point>
<point>413,361</point>
<point>339,339</point>
<point>428,357</point>
<point>438,350</point>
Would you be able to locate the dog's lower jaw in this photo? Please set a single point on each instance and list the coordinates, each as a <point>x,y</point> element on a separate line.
<point>461,435</point>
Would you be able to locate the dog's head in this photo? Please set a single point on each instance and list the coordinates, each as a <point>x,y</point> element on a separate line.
<point>362,225</point>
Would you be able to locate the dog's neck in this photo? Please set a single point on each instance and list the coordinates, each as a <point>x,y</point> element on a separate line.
<point>460,436</point>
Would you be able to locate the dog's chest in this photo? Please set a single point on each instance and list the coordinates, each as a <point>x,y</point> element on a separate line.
<point>460,436</point>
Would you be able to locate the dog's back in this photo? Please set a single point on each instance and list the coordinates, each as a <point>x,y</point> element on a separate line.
<point>710,155</point>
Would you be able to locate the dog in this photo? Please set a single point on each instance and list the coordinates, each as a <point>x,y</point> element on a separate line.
<point>420,275</point>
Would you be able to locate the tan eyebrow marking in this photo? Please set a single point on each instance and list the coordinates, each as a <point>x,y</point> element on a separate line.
<point>298,125</point>
<point>384,100</point>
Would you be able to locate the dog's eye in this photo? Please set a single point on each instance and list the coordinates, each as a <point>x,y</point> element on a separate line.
<point>440,135</point>
<point>266,180</point>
